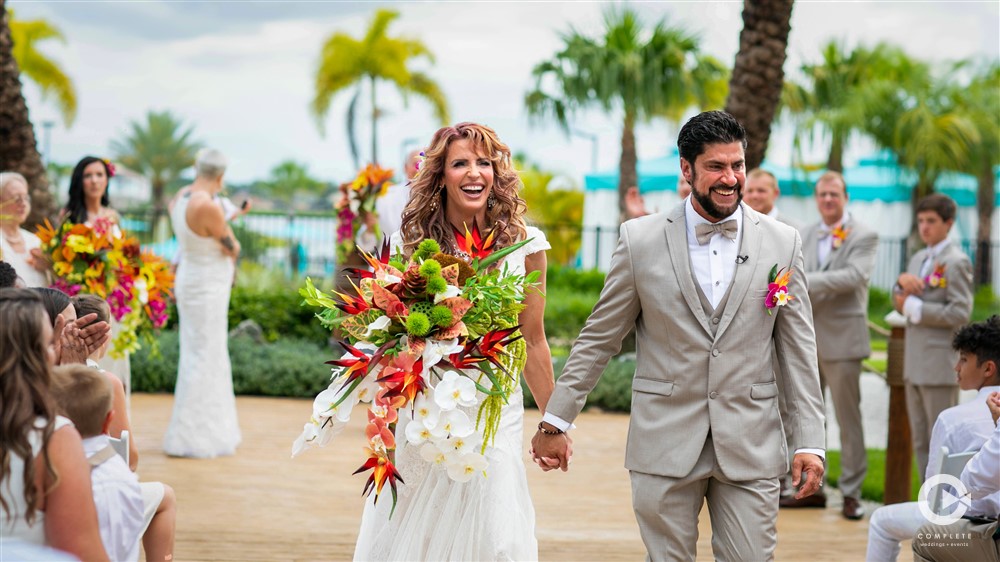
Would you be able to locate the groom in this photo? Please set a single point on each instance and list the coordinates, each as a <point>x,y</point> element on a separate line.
<point>705,423</point>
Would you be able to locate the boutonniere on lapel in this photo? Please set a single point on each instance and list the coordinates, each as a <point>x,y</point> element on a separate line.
<point>777,288</point>
<point>839,234</point>
<point>936,278</point>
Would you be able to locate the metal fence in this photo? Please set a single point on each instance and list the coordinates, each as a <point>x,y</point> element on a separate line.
<point>305,244</point>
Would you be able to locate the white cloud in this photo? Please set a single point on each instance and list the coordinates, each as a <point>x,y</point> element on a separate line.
<point>243,76</point>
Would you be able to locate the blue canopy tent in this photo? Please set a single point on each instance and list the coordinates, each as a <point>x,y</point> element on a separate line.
<point>661,174</point>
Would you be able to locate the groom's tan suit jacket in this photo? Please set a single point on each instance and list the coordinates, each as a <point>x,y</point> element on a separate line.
<point>700,370</point>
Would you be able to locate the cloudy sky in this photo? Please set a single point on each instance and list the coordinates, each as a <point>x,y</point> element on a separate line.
<point>242,72</point>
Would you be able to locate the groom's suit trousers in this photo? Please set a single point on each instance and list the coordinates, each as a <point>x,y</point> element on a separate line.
<point>735,508</point>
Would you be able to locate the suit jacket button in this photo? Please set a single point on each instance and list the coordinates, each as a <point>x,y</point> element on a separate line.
<point>715,353</point>
<point>715,320</point>
<point>713,395</point>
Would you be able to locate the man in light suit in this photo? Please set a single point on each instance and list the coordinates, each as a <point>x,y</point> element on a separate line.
<point>840,256</point>
<point>694,283</point>
<point>762,193</point>
<point>935,295</point>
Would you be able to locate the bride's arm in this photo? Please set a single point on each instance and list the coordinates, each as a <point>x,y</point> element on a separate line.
<point>538,370</point>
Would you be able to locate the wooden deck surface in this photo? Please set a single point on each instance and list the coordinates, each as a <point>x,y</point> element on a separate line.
<point>263,505</point>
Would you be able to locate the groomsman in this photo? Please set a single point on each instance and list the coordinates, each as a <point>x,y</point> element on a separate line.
<point>839,256</point>
<point>935,295</point>
<point>762,192</point>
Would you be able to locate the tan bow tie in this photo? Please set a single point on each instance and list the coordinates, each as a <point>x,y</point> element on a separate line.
<point>705,231</point>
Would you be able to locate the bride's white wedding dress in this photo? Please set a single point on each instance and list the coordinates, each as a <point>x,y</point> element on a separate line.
<point>488,518</point>
<point>204,422</point>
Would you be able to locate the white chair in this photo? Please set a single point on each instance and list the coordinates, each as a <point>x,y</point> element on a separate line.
<point>951,464</point>
<point>121,445</point>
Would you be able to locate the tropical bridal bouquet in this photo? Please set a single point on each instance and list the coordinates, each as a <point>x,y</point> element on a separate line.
<point>357,202</point>
<point>434,340</point>
<point>103,260</point>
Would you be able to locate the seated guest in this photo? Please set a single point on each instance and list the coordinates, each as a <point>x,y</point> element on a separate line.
<point>971,538</point>
<point>159,513</point>
<point>84,396</point>
<point>84,305</point>
<point>9,277</point>
<point>75,338</point>
<point>18,247</point>
<point>45,492</point>
<point>961,428</point>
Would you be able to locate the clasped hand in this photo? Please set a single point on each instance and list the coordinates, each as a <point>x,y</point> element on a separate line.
<point>551,451</point>
<point>807,470</point>
<point>74,343</point>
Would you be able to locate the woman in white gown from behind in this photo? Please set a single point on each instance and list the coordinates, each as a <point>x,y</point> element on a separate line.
<point>467,175</point>
<point>204,422</point>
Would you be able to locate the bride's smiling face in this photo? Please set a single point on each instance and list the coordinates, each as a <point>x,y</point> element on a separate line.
<point>468,181</point>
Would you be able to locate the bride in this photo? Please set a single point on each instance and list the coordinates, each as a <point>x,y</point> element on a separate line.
<point>468,176</point>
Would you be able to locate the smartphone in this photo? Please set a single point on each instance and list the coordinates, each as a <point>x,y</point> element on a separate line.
<point>246,202</point>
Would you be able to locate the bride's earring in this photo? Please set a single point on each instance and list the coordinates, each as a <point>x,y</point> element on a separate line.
<point>491,201</point>
<point>434,199</point>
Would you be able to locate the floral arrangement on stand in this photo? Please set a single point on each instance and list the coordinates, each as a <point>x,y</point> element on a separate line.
<point>358,201</point>
<point>105,261</point>
<point>434,340</point>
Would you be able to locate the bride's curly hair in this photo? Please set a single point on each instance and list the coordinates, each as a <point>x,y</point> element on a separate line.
<point>424,215</point>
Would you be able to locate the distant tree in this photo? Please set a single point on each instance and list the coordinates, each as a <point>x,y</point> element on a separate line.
<point>38,67</point>
<point>641,73</point>
<point>981,102</point>
<point>758,74</point>
<point>837,93</point>
<point>557,211</point>
<point>289,177</point>
<point>160,149</point>
<point>18,152</point>
<point>347,62</point>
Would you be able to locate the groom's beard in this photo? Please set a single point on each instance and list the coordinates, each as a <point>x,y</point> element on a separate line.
<point>706,202</point>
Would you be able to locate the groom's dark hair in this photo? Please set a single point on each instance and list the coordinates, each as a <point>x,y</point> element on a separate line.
<point>710,127</point>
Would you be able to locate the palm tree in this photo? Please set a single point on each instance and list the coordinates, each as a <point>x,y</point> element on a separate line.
<point>642,73</point>
<point>160,149</point>
<point>40,69</point>
<point>289,177</point>
<point>981,102</point>
<point>836,94</point>
<point>758,74</point>
<point>559,212</point>
<point>348,62</point>
<point>18,152</point>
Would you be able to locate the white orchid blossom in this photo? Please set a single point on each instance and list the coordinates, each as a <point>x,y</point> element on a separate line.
<point>449,292</point>
<point>433,454</point>
<point>425,410</point>
<point>380,323</point>
<point>417,433</point>
<point>464,467</point>
<point>454,423</point>
<point>436,350</point>
<point>455,390</point>
<point>368,388</point>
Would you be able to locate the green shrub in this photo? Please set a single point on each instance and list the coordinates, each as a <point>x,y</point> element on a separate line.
<point>873,488</point>
<point>586,281</point>
<point>985,304</point>
<point>287,367</point>
<point>613,392</point>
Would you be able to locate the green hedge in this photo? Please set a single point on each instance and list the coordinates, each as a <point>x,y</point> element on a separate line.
<point>287,367</point>
<point>613,392</point>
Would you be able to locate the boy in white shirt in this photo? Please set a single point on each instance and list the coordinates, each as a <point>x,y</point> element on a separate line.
<point>160,503</point>
<point>84,396</point>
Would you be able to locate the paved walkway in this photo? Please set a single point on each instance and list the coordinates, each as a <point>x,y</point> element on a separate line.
<point>262,505</point>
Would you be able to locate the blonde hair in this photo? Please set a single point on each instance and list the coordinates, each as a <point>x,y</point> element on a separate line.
<point>424,215</point>
<point>829,176</point>
<point>11,177</point>
<point>762,173</point>
<point>84,396</point>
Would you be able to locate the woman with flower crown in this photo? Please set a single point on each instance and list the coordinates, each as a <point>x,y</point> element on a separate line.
<point>88,192</point>
<point>467,179</point>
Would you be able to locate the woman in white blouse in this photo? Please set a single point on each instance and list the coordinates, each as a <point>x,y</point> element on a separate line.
<point>18,247</point>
